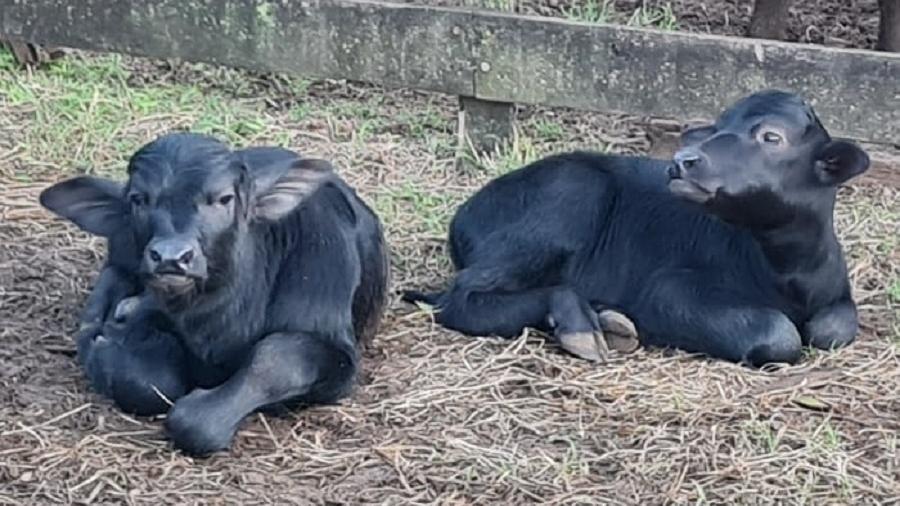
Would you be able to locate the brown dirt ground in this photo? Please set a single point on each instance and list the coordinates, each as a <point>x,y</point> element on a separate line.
<point>838,23</point>
<point>439,417</point>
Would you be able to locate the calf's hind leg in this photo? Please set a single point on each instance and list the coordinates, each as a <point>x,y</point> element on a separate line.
<point>487,301</point>
<point>296,366</point>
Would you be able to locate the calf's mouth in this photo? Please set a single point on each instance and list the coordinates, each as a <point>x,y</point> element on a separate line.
<point>690,190</point>
<point>172,284</point>
<point>687,188</point>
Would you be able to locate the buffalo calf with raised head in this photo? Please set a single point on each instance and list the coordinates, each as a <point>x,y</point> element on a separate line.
<point>728,250</point>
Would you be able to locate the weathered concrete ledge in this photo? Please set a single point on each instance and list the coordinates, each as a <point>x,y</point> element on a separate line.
<point>485,55</point>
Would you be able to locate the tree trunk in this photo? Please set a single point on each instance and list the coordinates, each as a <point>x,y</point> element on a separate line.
<point>770,18</point>
<point>889,26</point>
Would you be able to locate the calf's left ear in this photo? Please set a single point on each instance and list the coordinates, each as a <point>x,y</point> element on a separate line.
<point>94,204</point>
<point>839,161</point>
<point>301,180</point>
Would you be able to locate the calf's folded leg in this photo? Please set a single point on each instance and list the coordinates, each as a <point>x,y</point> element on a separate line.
<point>282,367</point>
<point>558,309</point>
<point>683,310</point>
<point>136,364</point>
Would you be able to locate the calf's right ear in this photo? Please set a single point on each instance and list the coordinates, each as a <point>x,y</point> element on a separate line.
<point>94,204</point>
<point>301,180</point>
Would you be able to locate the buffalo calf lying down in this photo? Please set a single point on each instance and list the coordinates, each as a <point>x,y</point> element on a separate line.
<point>235,280</point>
<point>729,250</point>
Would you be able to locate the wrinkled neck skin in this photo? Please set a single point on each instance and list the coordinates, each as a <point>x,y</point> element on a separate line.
<point>805,255</point>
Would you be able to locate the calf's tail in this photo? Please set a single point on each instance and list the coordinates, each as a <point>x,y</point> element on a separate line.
<point>413,296</point>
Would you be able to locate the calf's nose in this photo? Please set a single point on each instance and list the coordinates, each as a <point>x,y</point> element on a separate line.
<point>170,256</point>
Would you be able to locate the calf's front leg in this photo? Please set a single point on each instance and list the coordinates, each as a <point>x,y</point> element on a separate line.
<point>134,361</point>
<point>111,287</point>
<point>289,366</point>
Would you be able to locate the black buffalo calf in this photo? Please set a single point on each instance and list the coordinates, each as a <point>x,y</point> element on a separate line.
<point>235,280</point>
<point>729,250</point>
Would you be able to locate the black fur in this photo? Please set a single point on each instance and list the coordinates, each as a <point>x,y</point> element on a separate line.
<point>258,273</point>
<point>728,251</point>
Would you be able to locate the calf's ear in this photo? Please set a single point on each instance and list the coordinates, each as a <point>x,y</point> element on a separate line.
<point>94,204</point>
<point>839,161</point>
<point>301,180</point>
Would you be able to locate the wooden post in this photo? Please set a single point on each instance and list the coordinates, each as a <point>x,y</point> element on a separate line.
<point>770,19</point>
<point>485,124</point>
<point>30,54</point>
<point>889,26</point>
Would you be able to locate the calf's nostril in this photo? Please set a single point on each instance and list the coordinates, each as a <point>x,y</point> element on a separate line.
<point>155,256</point>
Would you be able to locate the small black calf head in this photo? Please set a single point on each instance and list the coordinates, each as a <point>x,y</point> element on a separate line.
<point>188,200</point>
<point>765,157</point>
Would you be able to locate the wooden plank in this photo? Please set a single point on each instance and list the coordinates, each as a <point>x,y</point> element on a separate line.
<point>486,55</point>
<point>395,46</point>
<point>681,75</point>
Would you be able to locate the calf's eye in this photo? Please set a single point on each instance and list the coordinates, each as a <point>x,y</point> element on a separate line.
<point>226,199</point>
<point>772,138</point>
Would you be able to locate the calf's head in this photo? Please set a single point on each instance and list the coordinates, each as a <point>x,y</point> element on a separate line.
<point>189,202</point>
<point>765,159</point>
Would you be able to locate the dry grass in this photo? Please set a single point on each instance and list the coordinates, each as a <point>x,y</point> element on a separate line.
<point>438,417</point>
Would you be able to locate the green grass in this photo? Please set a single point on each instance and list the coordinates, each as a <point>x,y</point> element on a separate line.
<point>548,131</point>
<point>763,435</point>
<point>591,11</point>
<point>7,62</point>
<point>420,123</point>
<point>431,210</point>
<point>519,151</point>
<point>497,5</point>
<point>355,110</point>
<point>298,86</point>
<point>603,11</point>
<point>662,18</point>
<point>300,112</point>
<point>894,291</point>
<point>84,113</point>
<point>829,437</point>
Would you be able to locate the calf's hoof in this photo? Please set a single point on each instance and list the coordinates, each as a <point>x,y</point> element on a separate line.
<point>614,332</point>
<point>88,336</point>
<point>619,331</point>
<point>586,345</point>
